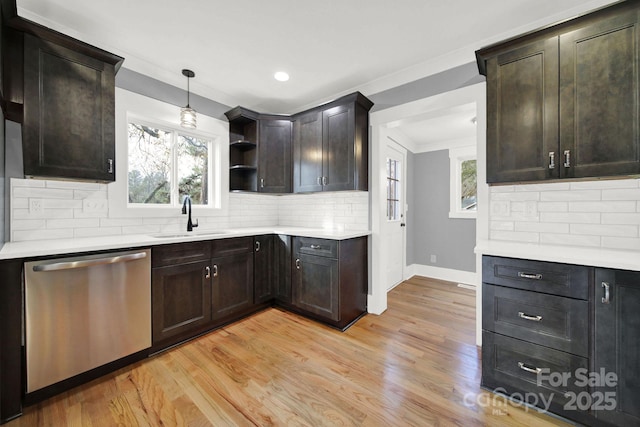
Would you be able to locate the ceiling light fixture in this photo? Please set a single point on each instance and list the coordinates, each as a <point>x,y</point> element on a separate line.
<point>281,76</point>
<point>188,114</point>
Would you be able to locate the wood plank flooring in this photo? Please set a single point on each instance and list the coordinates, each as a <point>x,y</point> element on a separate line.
<point>415,365</point>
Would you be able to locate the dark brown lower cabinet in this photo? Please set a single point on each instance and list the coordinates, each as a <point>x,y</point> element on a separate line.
<point>181,296</point>
<point>263,268</point>
<point>329,279</point>
<point>282,269</point>
<point>617,345</point>
<point>232,287</point>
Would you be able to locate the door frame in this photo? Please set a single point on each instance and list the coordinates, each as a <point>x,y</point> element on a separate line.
<point>382,124</point>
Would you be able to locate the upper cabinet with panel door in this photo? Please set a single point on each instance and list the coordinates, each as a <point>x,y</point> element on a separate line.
<point>68,92</point>
<point>563,102</point>
<point>330,146</point>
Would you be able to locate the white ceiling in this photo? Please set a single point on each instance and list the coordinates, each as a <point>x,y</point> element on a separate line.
<point>329,47</point>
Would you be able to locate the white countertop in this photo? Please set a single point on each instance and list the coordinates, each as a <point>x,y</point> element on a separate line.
<point>39,248</point>
<point>596,257</point>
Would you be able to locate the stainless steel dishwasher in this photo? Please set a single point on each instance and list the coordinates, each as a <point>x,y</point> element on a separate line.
<point>84,312</point>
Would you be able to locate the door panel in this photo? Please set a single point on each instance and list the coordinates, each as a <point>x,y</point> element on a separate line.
<point>338,164</point>
<point>232,284</point>
<point>307,152</point>
<point>316,286</point>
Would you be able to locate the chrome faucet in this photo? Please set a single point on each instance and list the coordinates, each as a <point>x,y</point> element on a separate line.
<point>190,224</point>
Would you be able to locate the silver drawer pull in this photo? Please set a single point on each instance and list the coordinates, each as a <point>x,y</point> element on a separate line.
<point>528,369</point>
<point>207,270</point>
<point>298,263</point>
<point>532,276</point>
<point>552,160</point>
<point>215,270</point>
<point>527,317</point>
<point>316,247</point>
<point>606,297</point>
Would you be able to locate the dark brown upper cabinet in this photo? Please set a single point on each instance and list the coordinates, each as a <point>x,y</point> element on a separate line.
<point>68,111</point>
<point>321,149</point>
<point>259,152</point>
<point>563,102</point>
<point>274,155</point>
<point>330,146</point>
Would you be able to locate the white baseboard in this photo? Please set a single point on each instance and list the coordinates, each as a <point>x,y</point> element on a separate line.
<point>457,276</point>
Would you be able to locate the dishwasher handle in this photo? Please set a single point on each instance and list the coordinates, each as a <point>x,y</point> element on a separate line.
<point>67,265</point>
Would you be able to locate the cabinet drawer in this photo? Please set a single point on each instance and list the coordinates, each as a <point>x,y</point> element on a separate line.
<point>539,276</point>
<point>318,247</point>
<point>180,253</point>
<point>557,322</point>
<point>236,245</point>
<point>509,364</point>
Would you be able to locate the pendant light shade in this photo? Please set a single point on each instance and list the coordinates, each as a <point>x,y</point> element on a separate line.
<point>188,114</point>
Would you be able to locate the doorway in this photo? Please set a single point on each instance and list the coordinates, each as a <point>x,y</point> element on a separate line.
<point>395,226</point>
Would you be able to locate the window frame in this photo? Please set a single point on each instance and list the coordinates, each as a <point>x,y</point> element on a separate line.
<point>175,131</point>
<point>133,107</point>
<point>456,157</point>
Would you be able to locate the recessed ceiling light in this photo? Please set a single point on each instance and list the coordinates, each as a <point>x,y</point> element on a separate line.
<point>281,76</point>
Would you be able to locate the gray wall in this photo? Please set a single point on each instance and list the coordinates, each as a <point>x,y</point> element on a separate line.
<point>430,231</point>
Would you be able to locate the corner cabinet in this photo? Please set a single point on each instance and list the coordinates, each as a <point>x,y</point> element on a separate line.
<point>322,149</point>
<point>563,102</point>
<point>329,279</point>
<point>69,107</point>
<point>330,146</point>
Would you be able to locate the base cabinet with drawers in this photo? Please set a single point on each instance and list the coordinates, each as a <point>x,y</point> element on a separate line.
<point>564,334</point>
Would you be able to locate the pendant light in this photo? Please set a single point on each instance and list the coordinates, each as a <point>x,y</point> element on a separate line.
<point>188,114</point>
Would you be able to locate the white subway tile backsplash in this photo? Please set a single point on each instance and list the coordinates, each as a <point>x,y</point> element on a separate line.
<point>604,206</point>
<point>43,193</point>
<point>28,224</point>
<point>72,223</point>
<point>602,213</point>
<point>553,206</point>
<point>516,196</point>
<point>542,227</point>
<point>605,230</point>
<point>515,236</point>
<point>97,232</point>
<point>569,240</point>
<point>571,217</point>
<point>623,243</point>
<point>621,194</point>
<point>568,196</point>
<point>621,218</point>
<point>41,234</point>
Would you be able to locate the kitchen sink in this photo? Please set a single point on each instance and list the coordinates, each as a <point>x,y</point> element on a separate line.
<point>187,234</point>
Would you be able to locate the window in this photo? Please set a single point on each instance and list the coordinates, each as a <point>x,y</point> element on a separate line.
<point>165,164</point>
<point>393,189</point>
<point>463,167</point>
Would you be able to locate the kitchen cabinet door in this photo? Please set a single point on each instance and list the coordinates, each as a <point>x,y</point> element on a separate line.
<point>232,288</point>
<point>69,113</point>
<point>338,161</point>
<point>617,344</point>
<point>316,286</point>
<point>522,113</point>
<point>282,269</point>
<point>274,156</point>
<point>181,300</point>
<point>599,105</point>
<point>307,152</point>
<point>264,269</point>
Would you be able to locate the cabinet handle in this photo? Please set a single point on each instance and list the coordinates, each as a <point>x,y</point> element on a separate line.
<point>532,276</point>
<point>215,270</point>
<point>298,263</point>
<point>261,182</point>
<point>319,180</point>
<point>257,246</point>
<point>552,160</point>
<point>110,162</point>
<point>316,247</point>
<point>208,270</point>
<point>528,369</point>
<point>528,317</point>
<point>567,158</point>
<point>324,180</point>
<point>605,298</point>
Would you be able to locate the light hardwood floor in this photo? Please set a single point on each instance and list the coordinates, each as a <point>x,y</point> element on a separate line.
<point>415,365</point>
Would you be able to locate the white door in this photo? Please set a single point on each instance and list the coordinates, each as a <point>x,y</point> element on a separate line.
<point>394,233</point>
